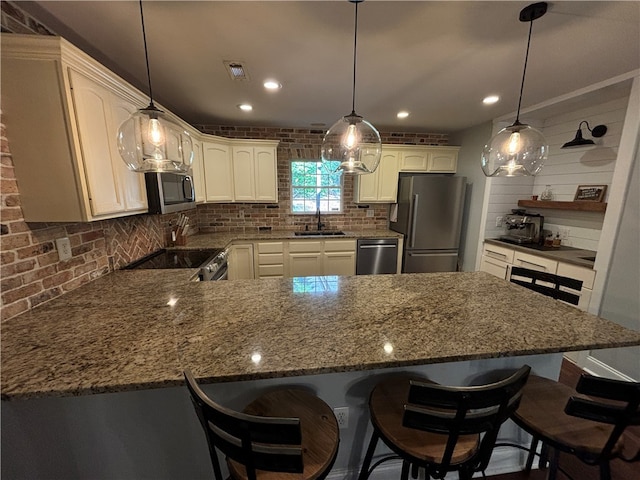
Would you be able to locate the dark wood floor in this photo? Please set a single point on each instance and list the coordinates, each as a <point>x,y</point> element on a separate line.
<point>575,468</point>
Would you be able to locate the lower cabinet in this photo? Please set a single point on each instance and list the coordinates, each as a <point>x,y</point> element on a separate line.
<point>305,258</point>
<point>498,260</point>
<point>339,257</point>
<point>241,262</point>
<point>269,259</point>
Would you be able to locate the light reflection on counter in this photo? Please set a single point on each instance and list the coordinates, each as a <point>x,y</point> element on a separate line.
<point>172,301</point>
<point>326,284</point>
<point>256,358</point>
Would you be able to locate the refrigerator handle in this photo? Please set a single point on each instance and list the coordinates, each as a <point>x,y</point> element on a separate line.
<point>414,217</point>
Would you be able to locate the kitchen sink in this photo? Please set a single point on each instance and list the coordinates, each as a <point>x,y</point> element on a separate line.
<point>319,233</point>
<point>591,259</point>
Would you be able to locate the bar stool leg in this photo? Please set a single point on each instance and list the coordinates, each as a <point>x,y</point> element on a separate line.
<point>605,470</point>
<point>553,464</point>
<point>532,453</point>
<point>405,470</point>
<point>364,470</point>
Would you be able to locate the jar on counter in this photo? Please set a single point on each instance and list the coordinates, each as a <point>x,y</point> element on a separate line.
<point>547,193</point>
<point>557,241</point>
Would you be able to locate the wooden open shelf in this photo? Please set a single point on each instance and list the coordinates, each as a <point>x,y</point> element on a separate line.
<point>583,206</point>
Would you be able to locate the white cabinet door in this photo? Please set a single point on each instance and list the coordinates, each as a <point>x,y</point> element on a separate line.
<point>93,117</point>
<point>381,185</point>
<point>414,161</point>
<point>241,262</point>
<point>243,174</point>
<point>135,191</point>
<point>266,174</point>
<point>197,172</point>
<point>218,172</point>
<point>443,161</point>
<point>339,263</point>
<point>305,264</point>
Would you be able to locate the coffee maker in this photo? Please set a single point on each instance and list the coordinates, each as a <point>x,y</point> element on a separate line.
<point>522,228</point>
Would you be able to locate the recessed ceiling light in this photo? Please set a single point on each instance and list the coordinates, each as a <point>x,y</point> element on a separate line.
<point>272,85</point>
<point>245,107</point>
<point>491,99</point>
<point>402,114</point>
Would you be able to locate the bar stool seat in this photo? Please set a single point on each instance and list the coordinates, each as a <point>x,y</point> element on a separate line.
<point>387,409</point>
<point>581,425</point>
<point>440,428</point>
<point>284,434</point>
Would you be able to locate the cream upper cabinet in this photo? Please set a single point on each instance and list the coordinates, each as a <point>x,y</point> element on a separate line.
<point>240,170</point>
<point>113,188</point>
<point>62,111</point>
<point>428,159</point>
<point>380,186</point>
<point>218,172</point>
<point>197,171</point>
<point>255,176</point>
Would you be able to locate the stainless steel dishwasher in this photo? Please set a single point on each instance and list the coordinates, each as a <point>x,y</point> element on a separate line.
<point>377,255</point>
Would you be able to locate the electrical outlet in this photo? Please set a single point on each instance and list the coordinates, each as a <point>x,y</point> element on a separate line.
<point>370,213</point>
<point>564,234</point>
<point>64,248</point>
<point>499,221</point>
<point>342,415</point>
<point>241,214</point>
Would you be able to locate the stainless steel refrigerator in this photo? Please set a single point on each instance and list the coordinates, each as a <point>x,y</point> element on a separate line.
<point>429,214</point>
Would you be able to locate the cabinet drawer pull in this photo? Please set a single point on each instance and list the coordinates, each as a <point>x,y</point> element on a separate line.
<point>498,255</point>
<point>534,264</point>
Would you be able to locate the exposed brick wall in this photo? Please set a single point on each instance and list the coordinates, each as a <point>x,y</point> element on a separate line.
<point>30,271</point>
<point>305,144</point>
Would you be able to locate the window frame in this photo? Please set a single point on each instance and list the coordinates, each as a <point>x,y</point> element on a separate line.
<point>293,186</point>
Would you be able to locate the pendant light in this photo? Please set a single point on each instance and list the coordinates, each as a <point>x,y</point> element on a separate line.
<point>149,141</point>
<point>353,141</point>
<point>519,149</point>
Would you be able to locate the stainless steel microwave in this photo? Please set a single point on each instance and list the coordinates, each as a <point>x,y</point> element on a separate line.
<point>169,192</point>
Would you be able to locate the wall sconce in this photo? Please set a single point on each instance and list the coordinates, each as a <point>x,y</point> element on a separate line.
<point>597,132</point>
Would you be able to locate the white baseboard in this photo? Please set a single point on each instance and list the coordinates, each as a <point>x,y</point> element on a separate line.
<point>601,369</point>
<point>503,460</point>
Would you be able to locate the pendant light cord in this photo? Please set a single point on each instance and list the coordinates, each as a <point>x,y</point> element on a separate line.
<point>355,44</point>
<point>146,56</point>
<point>524,73</point>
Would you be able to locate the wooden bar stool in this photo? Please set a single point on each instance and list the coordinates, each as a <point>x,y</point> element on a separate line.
<point>440,428</point>
<point>567,422</point>
<point>284,434</point>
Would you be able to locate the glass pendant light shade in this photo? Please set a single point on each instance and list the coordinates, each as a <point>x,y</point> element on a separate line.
<point>149,141</point>
<point>517,150</point>
<point>355,143</point>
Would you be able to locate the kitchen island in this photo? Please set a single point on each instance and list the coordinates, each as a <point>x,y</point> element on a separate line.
<point>90,364</point>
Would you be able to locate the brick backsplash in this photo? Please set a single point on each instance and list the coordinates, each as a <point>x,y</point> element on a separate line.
<point>297,143</point>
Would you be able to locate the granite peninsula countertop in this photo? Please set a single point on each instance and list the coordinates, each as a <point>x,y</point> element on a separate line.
<point>138,329</point>
<point>575,256</point>
<point>224,239</point>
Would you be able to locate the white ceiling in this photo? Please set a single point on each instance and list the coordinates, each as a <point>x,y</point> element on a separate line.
<point>436,59</point>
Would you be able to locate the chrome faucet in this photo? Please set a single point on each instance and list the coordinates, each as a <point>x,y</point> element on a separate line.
<point>320,224</point>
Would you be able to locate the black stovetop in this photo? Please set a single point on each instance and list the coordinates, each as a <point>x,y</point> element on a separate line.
<point>173,259</point>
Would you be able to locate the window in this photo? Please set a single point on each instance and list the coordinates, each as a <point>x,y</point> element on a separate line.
<point>315,185</point>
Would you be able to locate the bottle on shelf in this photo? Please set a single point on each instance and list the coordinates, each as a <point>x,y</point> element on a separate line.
<point>547,193</point>
<point>557,241</point>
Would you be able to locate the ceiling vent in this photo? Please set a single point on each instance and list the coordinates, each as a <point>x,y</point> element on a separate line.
<point>236,70</point>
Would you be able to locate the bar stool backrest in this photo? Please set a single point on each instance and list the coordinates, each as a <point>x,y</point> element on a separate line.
<point>529,279</point>
<point>619,415</point>
<point>262,443</point>
<point>456,411</point>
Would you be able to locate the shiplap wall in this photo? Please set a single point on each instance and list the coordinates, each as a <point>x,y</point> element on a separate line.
<point>564,170</point>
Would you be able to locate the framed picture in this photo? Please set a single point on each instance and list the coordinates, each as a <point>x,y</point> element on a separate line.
<point>590,193</point>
